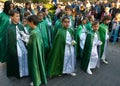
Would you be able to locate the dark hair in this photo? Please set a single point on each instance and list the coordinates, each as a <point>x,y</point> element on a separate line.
<point>43,9</point>
<point>60,15</point>
<point>12,12</point>
<point>26,14</point>
<point>80,19</point>
<point>40,12</point>
<point>106,18</point>
<point>95,23</point>
<point>89,17</point>
<point>34,19</point>
<point>68,7</point>
<point>27,3</point>
<point>65,17</point>
<point>30,9</point>
<point>7,7</point>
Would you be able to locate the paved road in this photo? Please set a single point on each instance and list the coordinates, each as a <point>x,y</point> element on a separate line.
<point>106,75</point>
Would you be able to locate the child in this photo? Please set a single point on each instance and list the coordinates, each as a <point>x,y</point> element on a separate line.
<point>36,63</point>
<point>90,57</point>
<point>17,53</point>
<point>103,32</point>
<point>43,29</point>
<point>62,58</point>
<point>81,34</point>
<point>4,22</point>
<point>26,35</point>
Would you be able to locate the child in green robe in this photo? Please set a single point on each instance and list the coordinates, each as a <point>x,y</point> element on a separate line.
<point>36,62</point>
<point>62,55</point>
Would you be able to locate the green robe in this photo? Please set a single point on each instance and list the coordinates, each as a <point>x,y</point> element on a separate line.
<point>28,28</point>
<point>43,29</point>
<point>4,22</point>
<point>72,22</point>
<point>12,56</point>
<point>103,29</point>
<point>89,26</point>
<point>77,38</point>
<point>49,29</point>
<point>36,63</point>
<point>56,57</point>
<point>87,51</point>
<point>58,25</point>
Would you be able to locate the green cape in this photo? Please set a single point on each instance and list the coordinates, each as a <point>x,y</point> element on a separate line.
<point>87,51</point>
<point>77,38</point>
<point>102,32</point>
<point>4,22</point>
<point>89,26</point>
<point>58,25</point>
<point>49,30</point>
<point>56,57</point>
<point>43,29</point>
<point>12,56</point>
<point>36,63</point>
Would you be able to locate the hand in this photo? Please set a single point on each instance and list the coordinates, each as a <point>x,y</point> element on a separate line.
<point>49,24</point>
<point>73,42</point>
<point>99,43</point>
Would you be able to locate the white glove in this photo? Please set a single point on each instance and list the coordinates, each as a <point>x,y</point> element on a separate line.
<point>99,43</point>
<point>49,23</point>
<point>73,42</point>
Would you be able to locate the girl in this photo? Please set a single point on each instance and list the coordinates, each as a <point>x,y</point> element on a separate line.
<point>62,58</point>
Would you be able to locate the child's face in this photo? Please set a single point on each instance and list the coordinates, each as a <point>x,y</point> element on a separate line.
<point>30,23</point>
<point>84,21</point>
<point>107,21</point>
<point>95,27</point>
<point>40,15</point>
<point>15,18</point>
<point>24,22</point>
<point>28,6</point>
<point>68,12</point>
<point>11,7</point>
<point>66,23</point>
<point>92,18</point>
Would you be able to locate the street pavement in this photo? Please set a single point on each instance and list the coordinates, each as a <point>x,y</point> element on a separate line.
<point>106,75</point>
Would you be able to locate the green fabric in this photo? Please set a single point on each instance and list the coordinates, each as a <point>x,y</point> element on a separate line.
<point>56,57</point>
<point>71,18</point>
<point>43,29</point>
<point>102,32</point>
<point>28,28</point>
<point>58,25</point>
<point>89,26</point>
<point>87,51</point>
<point>4,22</point>
<point>49,29</point>
<point>77,38</point>
<point>12,57</point>
<point>36,62</point>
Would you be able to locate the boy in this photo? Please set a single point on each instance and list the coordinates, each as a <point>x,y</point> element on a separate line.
<point>90,57</point>
<point>103,31</point>
<point>17,53</point>
<point>36,62</point>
